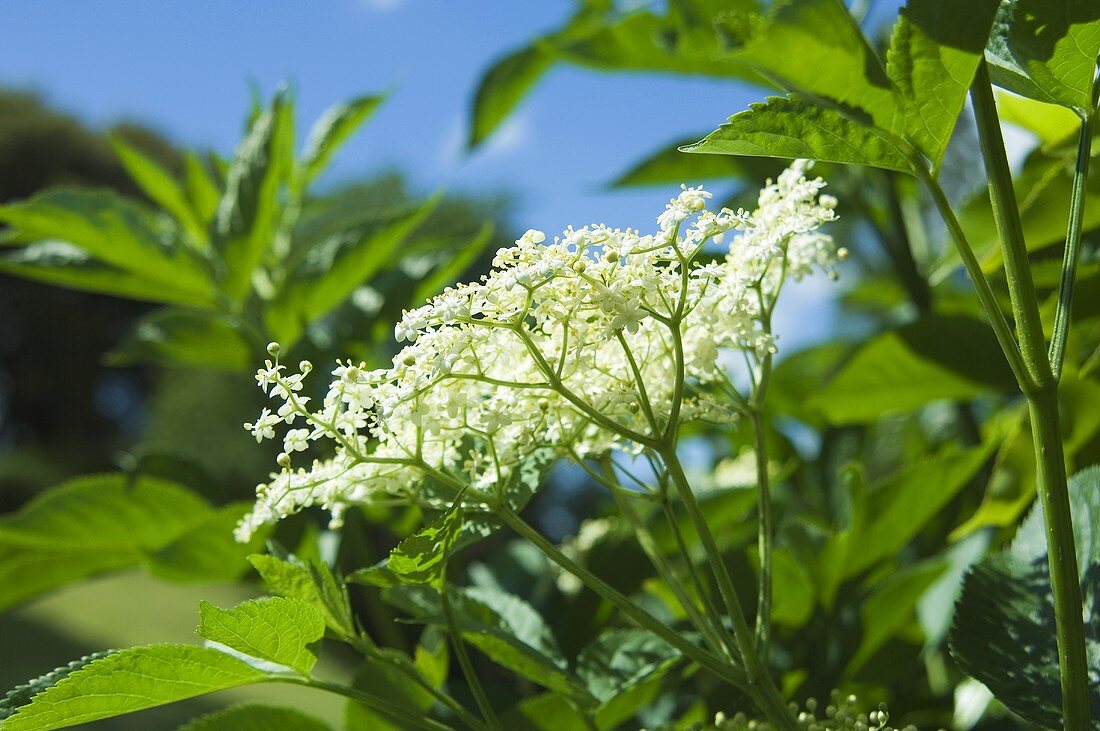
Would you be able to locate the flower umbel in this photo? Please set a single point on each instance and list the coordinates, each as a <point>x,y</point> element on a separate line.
<point>604,339</point>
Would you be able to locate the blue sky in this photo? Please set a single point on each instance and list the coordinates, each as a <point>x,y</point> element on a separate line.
<point>183,67</point>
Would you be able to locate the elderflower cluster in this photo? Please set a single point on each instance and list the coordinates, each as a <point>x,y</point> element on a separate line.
<point>603,339</point>
<point>841,714</point>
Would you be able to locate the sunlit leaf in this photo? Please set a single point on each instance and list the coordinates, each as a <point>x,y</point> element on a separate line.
<point>277,629</point>
<point>161,187</point>
<point>185,337</point>
<point>257,717</point>
<point>332,129</point>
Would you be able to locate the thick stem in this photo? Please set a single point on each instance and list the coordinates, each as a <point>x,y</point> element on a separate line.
<point>1060,335</point>
<point>1065,579</point>
<point>1006,213</point>
<point>1040,385</point>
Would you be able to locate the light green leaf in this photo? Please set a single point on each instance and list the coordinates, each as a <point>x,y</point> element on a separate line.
<point>257,717</point>
<point>180,337</point>
<point>202,192</point>
<point>934,52</point>
<point>114,230</point>
<point>208,552</point>
<point>21,695</point>
<point>311,583</point>
<point>1047,50</point>
<point>28,572</point>
<point>1052,124</point>
<point>65,265</point>
<point>132,680</point>
<point>335,267</point>
<point>448,272</point>
<point>273,628</point>
<point>332,129</point>
<point>815,49</point>
<point>109,512</point>
<point>160,186</point>
<point>937,357</point>
<point>421,558</point>
<point>249,207</point>
<point>1003,633</point>
<point>790,128</point>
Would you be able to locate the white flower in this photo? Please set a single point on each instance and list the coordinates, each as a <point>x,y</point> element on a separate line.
<point>573,347</point>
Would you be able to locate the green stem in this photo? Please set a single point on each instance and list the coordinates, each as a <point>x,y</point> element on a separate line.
<point>1006,213</point>
<point>762,687</point>
<point>468,671</point>
<point>992,309</point>
<point>414,720</point>
<point>1065,580</point>
<point>1040,386</point>
<point>765,535</point>
<point>711,633</point>
<point>733,675</point>
<point>1057,354</point>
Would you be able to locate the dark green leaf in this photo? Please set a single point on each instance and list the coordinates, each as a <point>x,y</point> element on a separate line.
<point>1004,622</point>
<point>791,128</point>
<point>502,87</point>
<point>208,552</point>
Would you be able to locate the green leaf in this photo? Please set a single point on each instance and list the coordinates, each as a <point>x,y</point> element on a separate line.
<point>936,357</point>
<point>21,695</point>
<point>890,607</point>
<point>273,628</point>
<point>332,129</point>
<point>202,192</point>
<point>934,52</point>
<point>502,87</point>
<point>546,712</point>
<point>816,49</point>
<point>1051,123</point>
<point>453,267</point>
<point>114,230</point>
<point>105,512</point>
<point>160,186</point>
<point>311,583</point>
<point>900,506</point>
<point>1003,633</point>
<point>249,207</point>
<point>132,680</point>
<point>790,128</point>
<point>101,523</point>
<point>623,669</point>
<point>181,337</point>
<point>257,717</point>
<point>422,557</point>
<point>670,166</point>
<point>1047,50</point>
<point>336,266</point>
<point>503,627</point>
<point>208,552</point>
<point>65,265</point>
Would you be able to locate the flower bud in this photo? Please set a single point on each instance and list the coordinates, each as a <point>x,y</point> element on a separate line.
<point>283,460</point>
<point>273,349</point>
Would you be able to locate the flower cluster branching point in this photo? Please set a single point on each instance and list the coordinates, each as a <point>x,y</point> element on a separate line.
<point>602,339</point>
